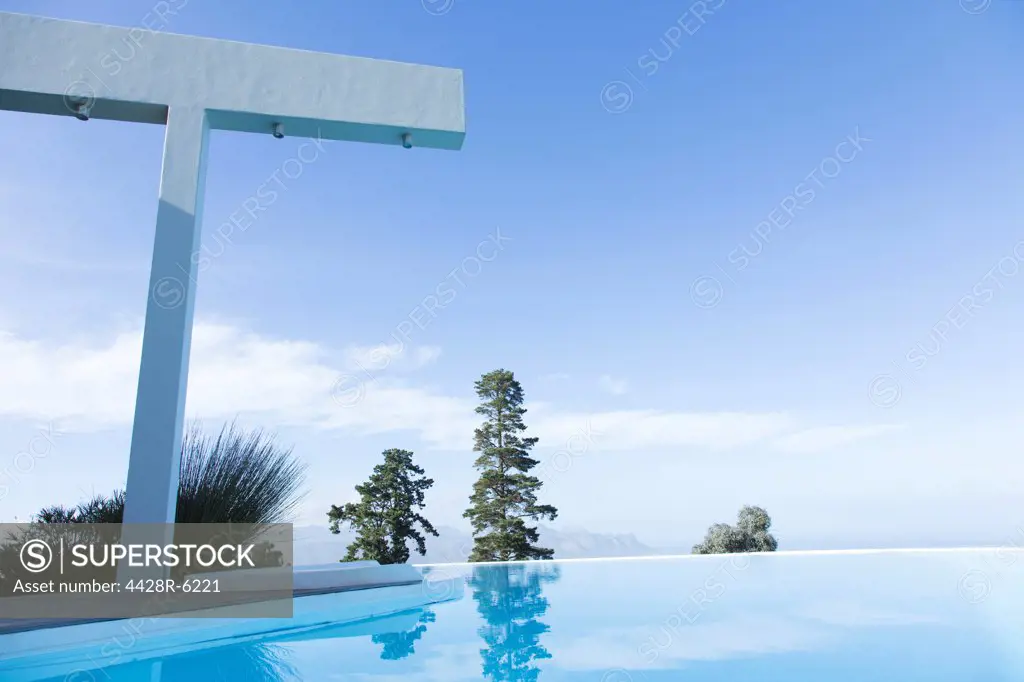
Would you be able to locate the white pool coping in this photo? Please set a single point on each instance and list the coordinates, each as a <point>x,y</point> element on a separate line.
<point>320,578</point>
<point>708,557</point>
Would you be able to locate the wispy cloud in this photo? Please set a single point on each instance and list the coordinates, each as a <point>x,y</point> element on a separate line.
<point>823,438</point>
<point>854,614</point>
<point>612,385</point>
<point>652,429</point>
<point>391,356</point>
<point>751,635</point>
<point>286,382</point>
<point>741,635</point>
<point>34,260</point>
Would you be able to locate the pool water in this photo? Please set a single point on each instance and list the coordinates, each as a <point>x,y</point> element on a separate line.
<point>956,616</point>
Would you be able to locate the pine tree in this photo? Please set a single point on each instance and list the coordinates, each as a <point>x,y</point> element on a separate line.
<point>504,496</point>
<point>385,516</point>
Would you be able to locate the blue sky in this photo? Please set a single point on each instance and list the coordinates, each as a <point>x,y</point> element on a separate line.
<point>624,296</point>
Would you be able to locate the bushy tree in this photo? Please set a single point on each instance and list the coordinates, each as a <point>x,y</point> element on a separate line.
<point>750,534</point>
<point>755,522</point>
<point>385,518</point>
<point>99,509</point>
<point>505,495</point>
<point>237,476</point>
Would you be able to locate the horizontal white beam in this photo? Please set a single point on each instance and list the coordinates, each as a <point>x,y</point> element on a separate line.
<point>46,65</point>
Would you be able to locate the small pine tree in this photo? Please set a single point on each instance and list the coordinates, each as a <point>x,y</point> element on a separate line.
<point>504,496</point>
<point>385,517</point>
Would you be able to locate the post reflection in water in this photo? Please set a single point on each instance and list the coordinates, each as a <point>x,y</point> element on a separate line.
<point>510,601</point>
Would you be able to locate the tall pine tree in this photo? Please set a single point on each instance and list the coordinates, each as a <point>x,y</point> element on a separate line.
<point>385,518</point>
<point>505,495</point>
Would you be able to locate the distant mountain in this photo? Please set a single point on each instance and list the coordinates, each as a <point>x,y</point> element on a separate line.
<point>579,543</point>
<point>316,545</point>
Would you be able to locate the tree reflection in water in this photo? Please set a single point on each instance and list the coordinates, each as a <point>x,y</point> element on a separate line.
<point>256,662</point>
<point>510,601</point>
<point>398,645</point>
<point>252,662</point>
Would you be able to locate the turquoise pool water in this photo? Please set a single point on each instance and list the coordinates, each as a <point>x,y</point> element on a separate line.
<point>906,617</point>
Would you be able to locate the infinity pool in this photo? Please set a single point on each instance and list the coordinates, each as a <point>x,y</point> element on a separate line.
<point>956,615</point>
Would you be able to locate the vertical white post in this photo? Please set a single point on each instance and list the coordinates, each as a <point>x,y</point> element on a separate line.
<point>151,493</point>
